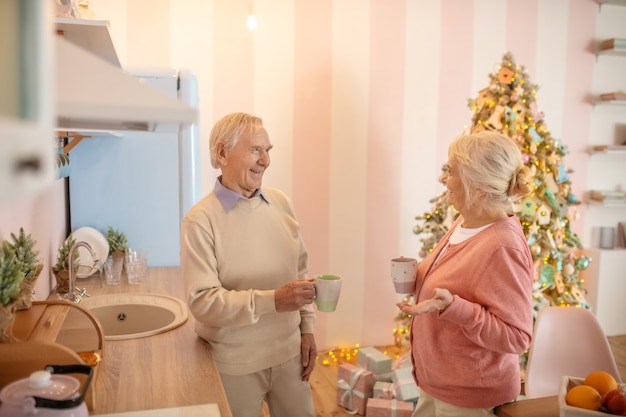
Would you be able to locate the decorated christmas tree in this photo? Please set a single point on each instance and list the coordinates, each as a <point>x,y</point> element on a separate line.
<point>508,105</point>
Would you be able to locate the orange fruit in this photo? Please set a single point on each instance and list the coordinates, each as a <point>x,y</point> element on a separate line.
<point>584,396</point>
<point>603,382</point>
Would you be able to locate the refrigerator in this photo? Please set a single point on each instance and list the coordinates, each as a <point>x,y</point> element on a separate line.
<point>140,183</point>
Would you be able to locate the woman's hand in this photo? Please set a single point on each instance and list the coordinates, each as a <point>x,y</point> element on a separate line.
<point>440,301</point>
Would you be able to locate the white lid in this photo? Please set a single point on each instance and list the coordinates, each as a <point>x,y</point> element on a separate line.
<point>40,384</point>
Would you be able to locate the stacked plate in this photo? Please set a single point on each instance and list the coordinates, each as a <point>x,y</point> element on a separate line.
<point>100,245</point>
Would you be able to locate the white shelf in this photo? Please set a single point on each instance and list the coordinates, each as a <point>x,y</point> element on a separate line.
<point>601,204</point>
<point>608,150</point>
<point>599,101</point>
<point>611,52</point>
<point>612,2</point>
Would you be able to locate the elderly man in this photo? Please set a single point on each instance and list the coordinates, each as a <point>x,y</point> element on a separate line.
<point>245,265</point>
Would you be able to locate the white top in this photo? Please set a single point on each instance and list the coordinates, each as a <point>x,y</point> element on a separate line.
<point>461,234</point>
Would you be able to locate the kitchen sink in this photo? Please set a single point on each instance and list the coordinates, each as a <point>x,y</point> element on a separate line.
<point>134,315</point>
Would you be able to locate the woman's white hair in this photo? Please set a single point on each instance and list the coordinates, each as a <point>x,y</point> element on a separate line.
<point>490,162</point>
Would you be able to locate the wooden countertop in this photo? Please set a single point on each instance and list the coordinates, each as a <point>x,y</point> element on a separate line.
<point>172,369</point>
<point>534,407</point>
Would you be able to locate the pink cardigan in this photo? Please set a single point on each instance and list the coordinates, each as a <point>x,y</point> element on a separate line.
<point>469,354</point>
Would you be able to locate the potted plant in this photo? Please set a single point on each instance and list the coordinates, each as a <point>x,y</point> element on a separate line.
<point>11,276</point>
<point>117,242</point>
<point>61,269</point>
<point>23,247</point>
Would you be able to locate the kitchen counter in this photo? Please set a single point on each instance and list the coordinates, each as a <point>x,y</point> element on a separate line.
<point>206,410</point>
<point>172,369</point>
<point>535,407</point>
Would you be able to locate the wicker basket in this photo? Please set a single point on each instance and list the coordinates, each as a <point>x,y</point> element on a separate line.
<point>7,314</point>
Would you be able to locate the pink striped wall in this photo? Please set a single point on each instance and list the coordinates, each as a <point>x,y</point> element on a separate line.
<point>578,82</point>
<point>312,127</point>
<point>385,121</point>
<point>362,98</point>
<point>519,17</point>
<point>455,80</point>
<point>233,58</point>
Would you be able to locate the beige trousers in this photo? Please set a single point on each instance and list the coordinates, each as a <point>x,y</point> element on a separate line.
<point>280,386</point>
<point>428,406</point>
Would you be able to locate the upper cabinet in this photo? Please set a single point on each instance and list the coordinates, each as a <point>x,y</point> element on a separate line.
<point>86,90</point>
<point>26,112</point>
<point>94,93</point>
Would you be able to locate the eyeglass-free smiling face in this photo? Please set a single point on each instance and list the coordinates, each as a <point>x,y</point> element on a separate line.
<point>243,166</point>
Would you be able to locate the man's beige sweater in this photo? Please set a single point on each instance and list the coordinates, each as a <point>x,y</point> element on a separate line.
<point>232,263</point>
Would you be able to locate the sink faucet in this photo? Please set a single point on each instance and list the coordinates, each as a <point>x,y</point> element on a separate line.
<point>71,291</point>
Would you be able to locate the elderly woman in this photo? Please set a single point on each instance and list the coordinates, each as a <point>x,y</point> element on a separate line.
<point>245,265</point>
<point>473,316</point>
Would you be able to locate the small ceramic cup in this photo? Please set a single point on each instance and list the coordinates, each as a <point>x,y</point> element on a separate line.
<point>327,290</point>
<point>403,271</point>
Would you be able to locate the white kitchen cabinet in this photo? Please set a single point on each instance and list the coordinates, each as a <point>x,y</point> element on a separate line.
<point>605,282</point>
<point>26,140</point>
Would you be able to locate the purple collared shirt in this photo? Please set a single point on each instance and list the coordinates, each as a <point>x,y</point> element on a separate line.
<point>228,198</point>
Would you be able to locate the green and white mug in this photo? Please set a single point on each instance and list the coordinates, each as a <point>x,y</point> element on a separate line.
<point>327,290</point>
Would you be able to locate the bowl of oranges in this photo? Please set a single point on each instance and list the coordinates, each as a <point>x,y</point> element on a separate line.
<point>598,394</point>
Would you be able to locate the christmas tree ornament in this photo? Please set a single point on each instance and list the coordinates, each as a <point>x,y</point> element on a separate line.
<point>544,214</point>
<point>582,263</point>
<point>505,76</point>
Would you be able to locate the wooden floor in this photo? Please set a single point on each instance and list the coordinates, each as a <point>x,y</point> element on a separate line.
<point>324,378</point>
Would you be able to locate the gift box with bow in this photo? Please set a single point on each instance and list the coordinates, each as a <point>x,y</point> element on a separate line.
<point>384,390</point>
<point>404,384</point>
<point>354,386</point>
<point>380,407</point>
<point>375,361</point>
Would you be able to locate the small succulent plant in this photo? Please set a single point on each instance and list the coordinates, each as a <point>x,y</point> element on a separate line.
<point>117,241</point>
<point>23,247</point>
<point>11,275</point>
<point>63,256</point>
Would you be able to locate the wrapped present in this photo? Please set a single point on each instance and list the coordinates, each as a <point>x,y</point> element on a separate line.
<point>384,390</point>
<point>403,361</point>
<point>380,407</point>
<point>404,384</point>
<point>354,386</point>
<point>375,361</point>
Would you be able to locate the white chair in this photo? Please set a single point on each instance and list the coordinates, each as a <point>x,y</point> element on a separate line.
<point>566,341</point>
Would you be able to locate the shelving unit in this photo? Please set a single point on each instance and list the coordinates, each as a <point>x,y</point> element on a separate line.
<point>605,282</point>
<point>605,279</point>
